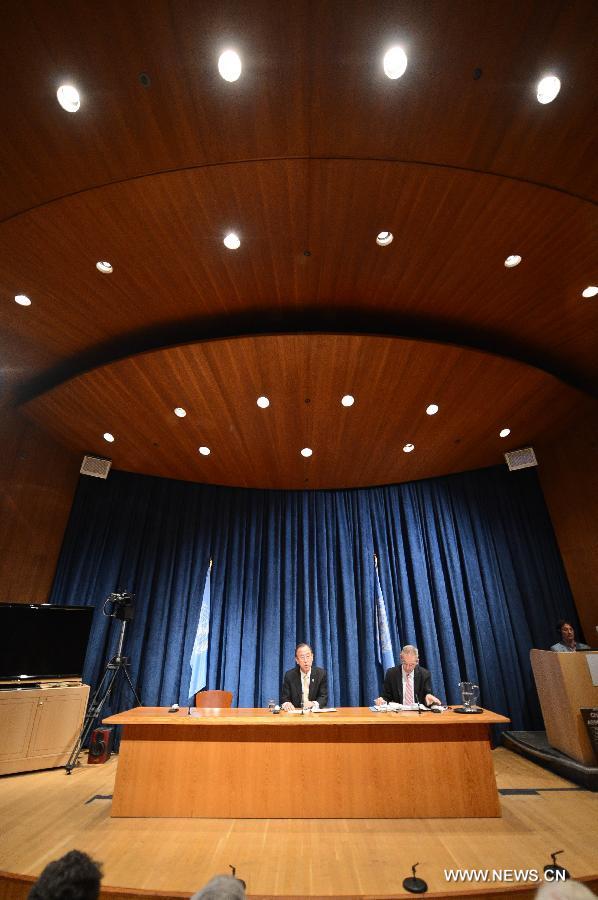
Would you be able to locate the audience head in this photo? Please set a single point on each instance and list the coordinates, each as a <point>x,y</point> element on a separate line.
<point>409,657</point>
<point>564,890</point>
<point>566,631</point>
<point>222,887</point>
<point>304,657</point>
<point>75,876</point>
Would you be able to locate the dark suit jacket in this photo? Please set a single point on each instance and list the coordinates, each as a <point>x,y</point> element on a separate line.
<point>318,686</point>
<point>393,684</point>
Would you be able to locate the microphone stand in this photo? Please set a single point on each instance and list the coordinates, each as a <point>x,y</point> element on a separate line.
<point>419,712</point>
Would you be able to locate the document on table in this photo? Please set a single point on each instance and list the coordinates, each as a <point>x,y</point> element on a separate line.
<point>398,707</point>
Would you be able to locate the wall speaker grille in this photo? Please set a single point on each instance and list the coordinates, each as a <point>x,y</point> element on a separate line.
<point>95,466</point>
<point>521,459</point>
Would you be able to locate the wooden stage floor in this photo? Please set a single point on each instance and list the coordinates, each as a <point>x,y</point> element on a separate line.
<point>44,814</point>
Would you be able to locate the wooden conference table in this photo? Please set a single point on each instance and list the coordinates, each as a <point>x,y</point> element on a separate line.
<point>352,763</point>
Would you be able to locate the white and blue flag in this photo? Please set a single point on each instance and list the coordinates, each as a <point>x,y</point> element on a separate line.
<point>384,652</point>
<point>199,654</point>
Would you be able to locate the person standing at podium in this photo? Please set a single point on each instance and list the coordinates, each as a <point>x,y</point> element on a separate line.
<point>567,644</point>
<point>306,685</point>
<point>408,683</point>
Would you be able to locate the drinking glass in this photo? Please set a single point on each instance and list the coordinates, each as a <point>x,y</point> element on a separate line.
<point>469,695</point>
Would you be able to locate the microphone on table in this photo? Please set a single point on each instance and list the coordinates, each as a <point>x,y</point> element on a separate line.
<point>419,712</point>
<point>414,884</point>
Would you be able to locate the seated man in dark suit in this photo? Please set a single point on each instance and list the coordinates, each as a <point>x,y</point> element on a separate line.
<point>408,683</point>
<point>305,686</point>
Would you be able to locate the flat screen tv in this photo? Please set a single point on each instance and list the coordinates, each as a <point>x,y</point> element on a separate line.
<point>43,641</point>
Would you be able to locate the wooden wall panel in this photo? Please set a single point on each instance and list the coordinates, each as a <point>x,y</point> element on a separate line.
<point>569,476</point>
<point>37,483</point>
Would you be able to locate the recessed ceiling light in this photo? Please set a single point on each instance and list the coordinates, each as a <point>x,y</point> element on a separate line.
<point>104,267</point>
<point>548,88</point>
<point>229,65</point>
<point>432,409</point>
<point>512,261</point>
<point>408,448</point>
<point>505,432</point>
<point>22,300</point>
<point>68,97</point>
<point>232,241</point>
<point>590,291</point>
<point>348,400</point>
<point>306,452</point>
<point>180,412</point>
<point>108,437</point>
<point>395,62</point>
<point>263,402</point>
<point>205,451</point>
<point>384,238</point>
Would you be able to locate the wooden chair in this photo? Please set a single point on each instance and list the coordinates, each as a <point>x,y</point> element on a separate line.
<point>214,699</point>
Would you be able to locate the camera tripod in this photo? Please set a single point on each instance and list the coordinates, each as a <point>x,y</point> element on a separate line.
<point>117,665</point>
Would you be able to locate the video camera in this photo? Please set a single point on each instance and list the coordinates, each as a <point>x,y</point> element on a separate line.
<point>120,606</point>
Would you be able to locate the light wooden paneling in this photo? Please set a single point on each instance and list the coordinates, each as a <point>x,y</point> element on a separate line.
<point>569,478</point>
<point>352,763</point>
<point>305,377</point>
<point>40,726</point>
<point>295,858</point>
<point>308,156</point>
<point>312,84</point>
<point>37,483</point>
<point>174,281</point>
<point>565,686</point>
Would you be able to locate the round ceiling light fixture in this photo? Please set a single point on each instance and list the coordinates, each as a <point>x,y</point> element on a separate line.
<point>104,267</point>
<point>230,65</point>
<point>590,291</point>
<point>306,452</point>
<point>108,437</point>
<point>512,261</point>
<point>384,238</point>
<point>205,451</point>
<point>504,432</point>
<point>432,409</point>
<point>395,62</point>
<point>408,448</point>
<point>22,300</point>
<point>68,97</point>
<point>180,412</point>
<point>548,88</point>
<point>232,241</point>
<point>348,400</point>
<point>263,402</point>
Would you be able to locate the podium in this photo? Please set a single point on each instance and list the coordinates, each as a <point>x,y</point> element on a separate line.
<point>564,685</point>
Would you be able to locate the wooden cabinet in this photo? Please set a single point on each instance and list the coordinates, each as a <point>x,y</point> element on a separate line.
<point>38,728</point>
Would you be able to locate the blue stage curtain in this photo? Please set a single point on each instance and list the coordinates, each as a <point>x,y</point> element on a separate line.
<point>468,565</point>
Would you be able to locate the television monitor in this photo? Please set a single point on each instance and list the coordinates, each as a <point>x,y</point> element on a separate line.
<point>43,641</point>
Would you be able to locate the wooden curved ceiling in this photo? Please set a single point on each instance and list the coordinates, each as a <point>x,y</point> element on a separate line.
<point>392,380</point>
<point>312,151</point>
